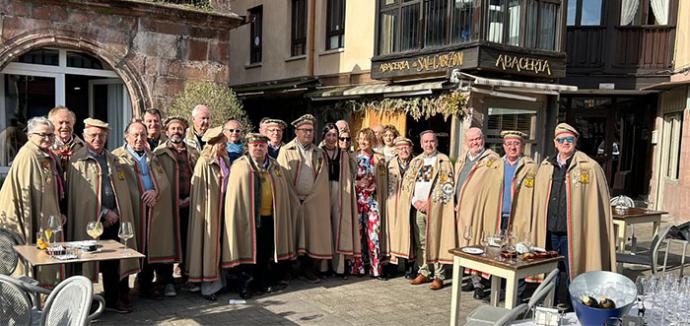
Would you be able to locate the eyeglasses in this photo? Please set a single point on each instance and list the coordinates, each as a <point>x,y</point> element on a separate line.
<point>234,130</point>
<point>44,135</point>
<point>345,138</point>
<point>305,130</point>
<point>273,130</point>
<point>569,139</point>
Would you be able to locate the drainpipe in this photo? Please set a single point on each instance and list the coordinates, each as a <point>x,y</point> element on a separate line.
<point>311,32</point>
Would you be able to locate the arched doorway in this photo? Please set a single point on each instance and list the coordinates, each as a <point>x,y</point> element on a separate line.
<point>38,80</point>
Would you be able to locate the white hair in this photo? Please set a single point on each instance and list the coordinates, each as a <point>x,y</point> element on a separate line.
<point>197,108</point>
<point>34,122</point>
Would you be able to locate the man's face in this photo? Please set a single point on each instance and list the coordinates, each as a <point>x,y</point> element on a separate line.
<point>153,124</point>
<point>565,143</point>
<point>258,150</point>
<point>274,132</point>
<point>474,141</point>
<point>404,151</point>
<point>233,131</point>
<point>95,138</point>
<point>513,148</point>
<point>43,136</point>
<point>305,133</point>
<point>64,126</point>
<point>342,125</point>
<point>136,137</point>
<point>429,143</point>
<point>175,132</point>
<point>202,120</point>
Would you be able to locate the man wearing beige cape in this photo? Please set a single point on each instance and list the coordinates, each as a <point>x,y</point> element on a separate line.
<point>152,204</point>
<point>398,233</point>
<point>477,192</point>
<point>427,195</point>
<point>103,194</point>
<point>307,175</point>
<point>209,183</point>
<point>516,181</point>
<point>258,217</point>
<point>30,195</point>
<point>572,214</point>
<point>178,159</point>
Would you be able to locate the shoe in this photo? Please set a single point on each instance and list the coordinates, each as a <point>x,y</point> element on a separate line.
<point>501,297</point>
<point>479,293</point>
<point>118,307</point>
<point>191,287</point>
<point>420,279</point>
<point>273,288</point>
<point>169,290</point>
<point>436,284</point>
<point>210,297</point>
<point>152,294</point>
<point>309,276</point>
<point>467,287</point>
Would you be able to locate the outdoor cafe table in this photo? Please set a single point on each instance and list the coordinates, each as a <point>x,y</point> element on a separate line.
<point>109,250</point>
<point>634,216</point>
<point>511,272</point>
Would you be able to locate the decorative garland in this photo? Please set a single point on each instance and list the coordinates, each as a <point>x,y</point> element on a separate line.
<point>454,103</point>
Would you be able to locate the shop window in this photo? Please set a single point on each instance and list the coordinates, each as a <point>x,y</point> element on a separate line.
<point>584,12</point>
<point>500,119</point>
<point>255,39</point>
<point>335,32</point>
<point>299,28</point>
<point>644,12</point>
<point>673,125</point>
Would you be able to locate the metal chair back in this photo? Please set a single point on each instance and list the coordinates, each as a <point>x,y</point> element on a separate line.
<point>8,256</point>
<point>542,288</point>
<point>69,303</point>
<point>15,305</point>
<point>657,241</point>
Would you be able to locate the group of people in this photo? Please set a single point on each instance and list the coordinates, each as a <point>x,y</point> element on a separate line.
<point>227,204</point>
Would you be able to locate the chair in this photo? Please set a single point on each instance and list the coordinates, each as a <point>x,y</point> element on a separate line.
<point>15,305</point>
<point>69,303</point>
<point>8,257</point>
<point>651,258</point>
<point>489,315</point>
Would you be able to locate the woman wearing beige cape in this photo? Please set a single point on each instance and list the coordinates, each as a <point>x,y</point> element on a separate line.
<point>28,197</point>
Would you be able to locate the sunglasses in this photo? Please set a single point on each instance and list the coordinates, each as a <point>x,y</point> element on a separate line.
<point>569,139</point>
<point>345,138</point>
<point>234,130</point>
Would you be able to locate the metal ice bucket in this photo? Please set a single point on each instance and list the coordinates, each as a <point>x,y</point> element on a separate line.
<point>599,284</point>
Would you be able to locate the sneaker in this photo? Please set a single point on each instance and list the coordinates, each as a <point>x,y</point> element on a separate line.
<point>169,290</point>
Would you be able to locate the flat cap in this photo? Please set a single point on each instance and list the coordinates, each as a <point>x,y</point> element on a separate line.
<point>513,134</point>
<point>213,134</point>
<point>176,118</point>
<point>400,140</point>
<point>565,128</point>
<point>91,122</point>
<point>255,138</point>
<point>278,122</point>
<point>307,118</point>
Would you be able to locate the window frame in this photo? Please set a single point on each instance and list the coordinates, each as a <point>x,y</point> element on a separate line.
<point>645,10</point>
<point>673,133</point>
<point>298,34</point>
<point>256,29</point>
<point>578,14</point>
<point>330,15</point>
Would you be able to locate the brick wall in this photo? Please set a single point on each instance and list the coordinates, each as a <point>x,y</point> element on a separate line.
<point>155,48</point>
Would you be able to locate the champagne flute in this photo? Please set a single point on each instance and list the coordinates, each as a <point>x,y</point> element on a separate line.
<point>484,242</point>
<point>125,233</point>
<point>467,235</point>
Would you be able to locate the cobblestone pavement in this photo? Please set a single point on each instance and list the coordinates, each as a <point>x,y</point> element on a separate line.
<point>334,301</point>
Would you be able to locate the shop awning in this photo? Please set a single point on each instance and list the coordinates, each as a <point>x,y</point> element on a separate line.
<point>275,86</point>
<point>666,85</point>
<point>328,93</point>
<point>412,89</point>
<point>516,85</point>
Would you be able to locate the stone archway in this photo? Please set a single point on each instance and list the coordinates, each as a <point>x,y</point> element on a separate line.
<point>119,62</point>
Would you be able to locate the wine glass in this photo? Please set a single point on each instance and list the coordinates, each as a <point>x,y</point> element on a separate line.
<point>467,235</point>
<point>485,242</point>
<point>55,226</point>
<point>94,229</point>
<point>125,233</point>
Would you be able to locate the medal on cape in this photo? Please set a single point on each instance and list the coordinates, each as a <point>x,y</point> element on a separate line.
<point>277,172</point>
<point>584,176</point>
<point>120,174</point>
<point>443,194</point>
<point>489,163</point>
<point>443,177</point>
<point>529,181</point>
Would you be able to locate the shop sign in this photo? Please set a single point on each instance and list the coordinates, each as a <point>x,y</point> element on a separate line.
<point>423,64</point>
<point>523,64</point>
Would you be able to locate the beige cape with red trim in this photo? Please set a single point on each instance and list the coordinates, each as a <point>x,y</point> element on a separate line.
<point>157,230</point>
<point>205,218</point>
<point>521,202</point>
<point>83,206</point>
<point>440,232</point>
<point>347,237</point>
<point>591,244</point>
<point>28,197</point>
<point>169,162</point>
<point>398,228</point>
<point>239,234</point>
<point>313,219</point>
<point>479,197</point>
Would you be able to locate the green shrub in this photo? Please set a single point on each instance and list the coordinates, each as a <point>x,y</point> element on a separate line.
<point>220,100</point>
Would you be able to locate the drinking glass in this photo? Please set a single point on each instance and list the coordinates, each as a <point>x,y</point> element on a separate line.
<point>467,235</point>
<point>55,226</point>
<point>125,233</point>
<point>94,229</point>
<point>485,242</point>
